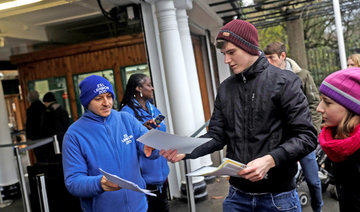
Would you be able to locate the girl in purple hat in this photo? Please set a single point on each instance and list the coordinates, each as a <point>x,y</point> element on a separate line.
<point>340,136</point>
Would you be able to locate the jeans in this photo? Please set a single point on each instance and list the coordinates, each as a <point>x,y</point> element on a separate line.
<point>264,202</point>
<point>310,169</point>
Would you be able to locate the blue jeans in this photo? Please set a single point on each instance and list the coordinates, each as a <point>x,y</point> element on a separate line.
<point>264,202</point>
<point>310,169</point>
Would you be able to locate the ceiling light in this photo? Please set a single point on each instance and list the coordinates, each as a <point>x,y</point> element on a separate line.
<point>16,3</point>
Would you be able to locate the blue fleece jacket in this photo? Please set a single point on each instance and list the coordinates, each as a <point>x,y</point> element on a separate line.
<point>95,142</point>
<point>154,172</point>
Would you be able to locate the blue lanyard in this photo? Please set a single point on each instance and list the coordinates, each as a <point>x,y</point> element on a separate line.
<point>148,105</point>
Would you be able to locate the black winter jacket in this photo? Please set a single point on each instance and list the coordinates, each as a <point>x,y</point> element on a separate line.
<point>258,112</point>
<point>347,175</point>
<point>33,120</point>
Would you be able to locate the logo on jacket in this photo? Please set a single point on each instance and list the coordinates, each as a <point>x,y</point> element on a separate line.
<point>101,88</point>
<point>127,139</point>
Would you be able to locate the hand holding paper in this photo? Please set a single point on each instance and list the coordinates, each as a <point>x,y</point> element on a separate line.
<point>108,185</point>
<point>172,155</point>
<point>165,141</point>
<point>148,150</point>
<point>122,183</point>
<point>257,169</point>
<point>228,167</point>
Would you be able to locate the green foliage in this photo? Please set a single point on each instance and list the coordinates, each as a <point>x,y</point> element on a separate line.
<point>320,31</point>
<point>271,34</point>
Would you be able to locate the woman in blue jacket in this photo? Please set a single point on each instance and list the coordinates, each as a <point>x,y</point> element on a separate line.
<point>137,101</point>
<point>104,138</point>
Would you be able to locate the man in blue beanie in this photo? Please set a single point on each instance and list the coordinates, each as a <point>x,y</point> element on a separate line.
<point>104,138</point>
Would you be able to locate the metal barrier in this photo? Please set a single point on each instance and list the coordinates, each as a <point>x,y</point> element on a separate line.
<point>41,187</point>
<point>189,185</point>
<point>24,191</point>
<point>41,178</point>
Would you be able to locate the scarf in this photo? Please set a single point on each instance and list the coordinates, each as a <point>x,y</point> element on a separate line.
<point>339,149</point>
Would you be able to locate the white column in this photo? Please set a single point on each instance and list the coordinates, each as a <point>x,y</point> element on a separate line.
<point>175,69</point>
<point>156,63</point>
<point>190,65</point>
<point>191,73</point>
<point>175,74</point>
<point>158,77</point>
<point>339,33</point>
<point>8,173</point>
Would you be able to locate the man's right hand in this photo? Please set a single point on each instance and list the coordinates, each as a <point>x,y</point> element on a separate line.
<point>257,169</point>
<point>172,155</point>
<point>106,185</point>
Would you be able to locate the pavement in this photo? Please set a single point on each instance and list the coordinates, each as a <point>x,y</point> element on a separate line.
<point>217,192</point>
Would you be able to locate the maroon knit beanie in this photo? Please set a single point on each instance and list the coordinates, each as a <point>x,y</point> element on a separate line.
<point>242,34</point>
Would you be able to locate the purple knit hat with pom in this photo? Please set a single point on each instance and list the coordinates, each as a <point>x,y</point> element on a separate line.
<point>344,88</point>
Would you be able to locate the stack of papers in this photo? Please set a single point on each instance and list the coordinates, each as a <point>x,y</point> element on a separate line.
<point>126,184</point>
<point>228,167</point>
<point>162,140</point>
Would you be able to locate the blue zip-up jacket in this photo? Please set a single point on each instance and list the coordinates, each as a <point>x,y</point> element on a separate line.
<point>95,142</point>
<point>154,172</point>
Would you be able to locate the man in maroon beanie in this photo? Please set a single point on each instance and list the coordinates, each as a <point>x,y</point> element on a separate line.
<point>263,117</point>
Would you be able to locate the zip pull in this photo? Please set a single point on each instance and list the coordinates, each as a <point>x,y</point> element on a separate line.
<point>244,79</point>
<point>252,97</point>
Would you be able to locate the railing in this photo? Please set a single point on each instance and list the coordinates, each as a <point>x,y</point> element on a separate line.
<point>189,185</point>
<point>41,187</point>
<point>41,182</point>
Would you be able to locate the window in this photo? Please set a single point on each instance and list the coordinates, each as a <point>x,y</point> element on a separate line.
<point>57,85</point>
<point>126,72</point>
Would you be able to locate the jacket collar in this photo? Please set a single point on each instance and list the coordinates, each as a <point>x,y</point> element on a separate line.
<point>294,66</point>
<point>258,66</point>
<point>90,115</point>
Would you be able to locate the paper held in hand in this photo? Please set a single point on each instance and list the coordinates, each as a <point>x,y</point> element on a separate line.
<point>228,167</point>
<point>125,183</point>
<point>162,140</point>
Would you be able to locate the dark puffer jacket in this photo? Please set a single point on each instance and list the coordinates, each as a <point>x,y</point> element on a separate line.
<point>258,112</point>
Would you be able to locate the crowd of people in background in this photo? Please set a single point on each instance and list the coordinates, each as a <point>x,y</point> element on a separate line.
<point>269,113</point>
<point>45,119</point>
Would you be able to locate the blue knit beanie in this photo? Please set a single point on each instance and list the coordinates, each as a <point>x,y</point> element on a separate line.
<point>92,86</point>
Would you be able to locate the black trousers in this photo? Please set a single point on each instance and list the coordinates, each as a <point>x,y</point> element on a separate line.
<point>160,202</point>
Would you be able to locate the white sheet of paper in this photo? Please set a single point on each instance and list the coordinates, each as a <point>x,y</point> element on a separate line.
<point>228,167</point>
<point>125,183</point>
<point>162,140</point>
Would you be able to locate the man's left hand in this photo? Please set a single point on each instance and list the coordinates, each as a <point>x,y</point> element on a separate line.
<point>257,169</point>
<point>148,150</point>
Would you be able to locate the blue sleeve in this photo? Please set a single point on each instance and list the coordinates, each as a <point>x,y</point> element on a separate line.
<point>140,130</point>
<point>76,176</point>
